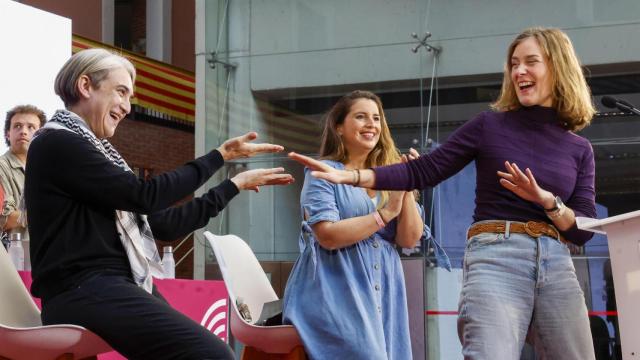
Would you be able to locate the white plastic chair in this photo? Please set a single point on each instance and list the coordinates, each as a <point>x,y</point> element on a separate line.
<point>22,335</point>
<point>244,277</point>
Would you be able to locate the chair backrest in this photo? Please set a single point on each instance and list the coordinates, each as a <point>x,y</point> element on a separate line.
<point>17,308</point>
<point>243,276</point>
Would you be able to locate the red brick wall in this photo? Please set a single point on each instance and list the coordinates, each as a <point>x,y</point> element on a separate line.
<point>161,149</point>
<point>86,15</point>
<point>139,25</point>
<point>154,147</point>
<point>183,34</point>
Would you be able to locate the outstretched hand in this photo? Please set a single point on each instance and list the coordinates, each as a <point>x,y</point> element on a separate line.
<point>321,170</point>
<point>241,147</point>
<point>253,179</point>
<point>524,185</point>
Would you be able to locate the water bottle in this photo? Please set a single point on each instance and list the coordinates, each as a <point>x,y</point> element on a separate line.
<point>4,237</point>
<point>168,263</point>
<point>243,309</point>
<point>16,252</point>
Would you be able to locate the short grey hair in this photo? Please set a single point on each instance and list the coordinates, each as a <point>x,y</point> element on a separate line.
<point>96,64</point>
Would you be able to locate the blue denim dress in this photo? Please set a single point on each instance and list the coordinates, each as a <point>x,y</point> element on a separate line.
<point>348,303</point>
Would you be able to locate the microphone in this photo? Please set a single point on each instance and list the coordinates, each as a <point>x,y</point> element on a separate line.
<point>620,104</point>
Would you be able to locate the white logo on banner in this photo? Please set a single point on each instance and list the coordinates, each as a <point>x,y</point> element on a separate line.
<point>215,318</point>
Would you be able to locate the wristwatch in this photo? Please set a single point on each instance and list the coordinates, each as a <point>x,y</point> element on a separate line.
<point>557,210</point>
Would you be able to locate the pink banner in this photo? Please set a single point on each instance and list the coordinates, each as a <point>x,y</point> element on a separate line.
<point>203,301</point>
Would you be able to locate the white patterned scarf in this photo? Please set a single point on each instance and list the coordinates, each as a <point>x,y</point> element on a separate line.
<point>134,230</point>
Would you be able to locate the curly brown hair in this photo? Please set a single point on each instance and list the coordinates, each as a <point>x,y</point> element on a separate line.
<point>21,109</point>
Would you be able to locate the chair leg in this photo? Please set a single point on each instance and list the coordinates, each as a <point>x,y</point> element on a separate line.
<point>297,353</point>
<point>251,353</point>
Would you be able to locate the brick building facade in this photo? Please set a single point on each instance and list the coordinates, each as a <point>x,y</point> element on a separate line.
<point>155,149</point>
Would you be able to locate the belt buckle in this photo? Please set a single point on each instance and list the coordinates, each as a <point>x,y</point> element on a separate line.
<point>528,228</point>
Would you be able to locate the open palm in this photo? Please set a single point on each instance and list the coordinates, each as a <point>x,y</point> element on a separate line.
<point>242,147</point>
<point>522,184</point>
<point>324,171</point>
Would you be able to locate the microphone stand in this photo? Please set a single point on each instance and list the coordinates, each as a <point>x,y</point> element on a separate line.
<point>625,107</point>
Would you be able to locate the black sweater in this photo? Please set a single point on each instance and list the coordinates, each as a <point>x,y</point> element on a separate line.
<point>72,192</point>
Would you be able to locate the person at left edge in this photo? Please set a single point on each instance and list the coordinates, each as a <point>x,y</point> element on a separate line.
<point>92,221</point>
<point>21,123</point>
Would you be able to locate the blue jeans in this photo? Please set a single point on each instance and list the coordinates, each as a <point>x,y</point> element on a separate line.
<point>515,284</point>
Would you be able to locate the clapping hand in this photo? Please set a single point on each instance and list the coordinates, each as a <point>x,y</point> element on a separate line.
<point>395,204</point>
<point>393,207</point>
<point>412,155</point>
<point>241,147</point>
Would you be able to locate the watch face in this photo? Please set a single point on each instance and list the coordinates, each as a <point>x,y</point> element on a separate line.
<point>559,202</point>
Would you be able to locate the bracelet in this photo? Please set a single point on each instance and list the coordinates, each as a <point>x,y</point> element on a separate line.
<point>354,176</point>
<point>357,183</point>
<point>378,217</point>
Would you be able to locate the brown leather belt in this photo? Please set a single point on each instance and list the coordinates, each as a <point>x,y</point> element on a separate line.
<point>531,228</point>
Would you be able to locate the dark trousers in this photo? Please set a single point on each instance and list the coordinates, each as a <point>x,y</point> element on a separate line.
<point>135,323</point>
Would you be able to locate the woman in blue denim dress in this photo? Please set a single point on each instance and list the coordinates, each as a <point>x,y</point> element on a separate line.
<point>346,293</point>
<point>519,279</point>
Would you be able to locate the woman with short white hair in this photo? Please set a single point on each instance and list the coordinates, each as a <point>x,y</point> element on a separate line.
<point>93,222</point>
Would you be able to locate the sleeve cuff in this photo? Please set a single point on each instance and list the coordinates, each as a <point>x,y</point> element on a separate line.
<point>216,158</point>
<point>228,189</point>
<point>323,216</point>
<point>577,236</point>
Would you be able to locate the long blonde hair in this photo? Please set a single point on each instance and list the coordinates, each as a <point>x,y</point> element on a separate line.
<point>332,148</point>
<point>570,94</point>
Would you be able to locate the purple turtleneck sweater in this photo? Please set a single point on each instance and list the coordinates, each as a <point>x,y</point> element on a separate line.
<point>561,161</point>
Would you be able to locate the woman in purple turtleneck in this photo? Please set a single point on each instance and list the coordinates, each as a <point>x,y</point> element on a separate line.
<point>519,278</point>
